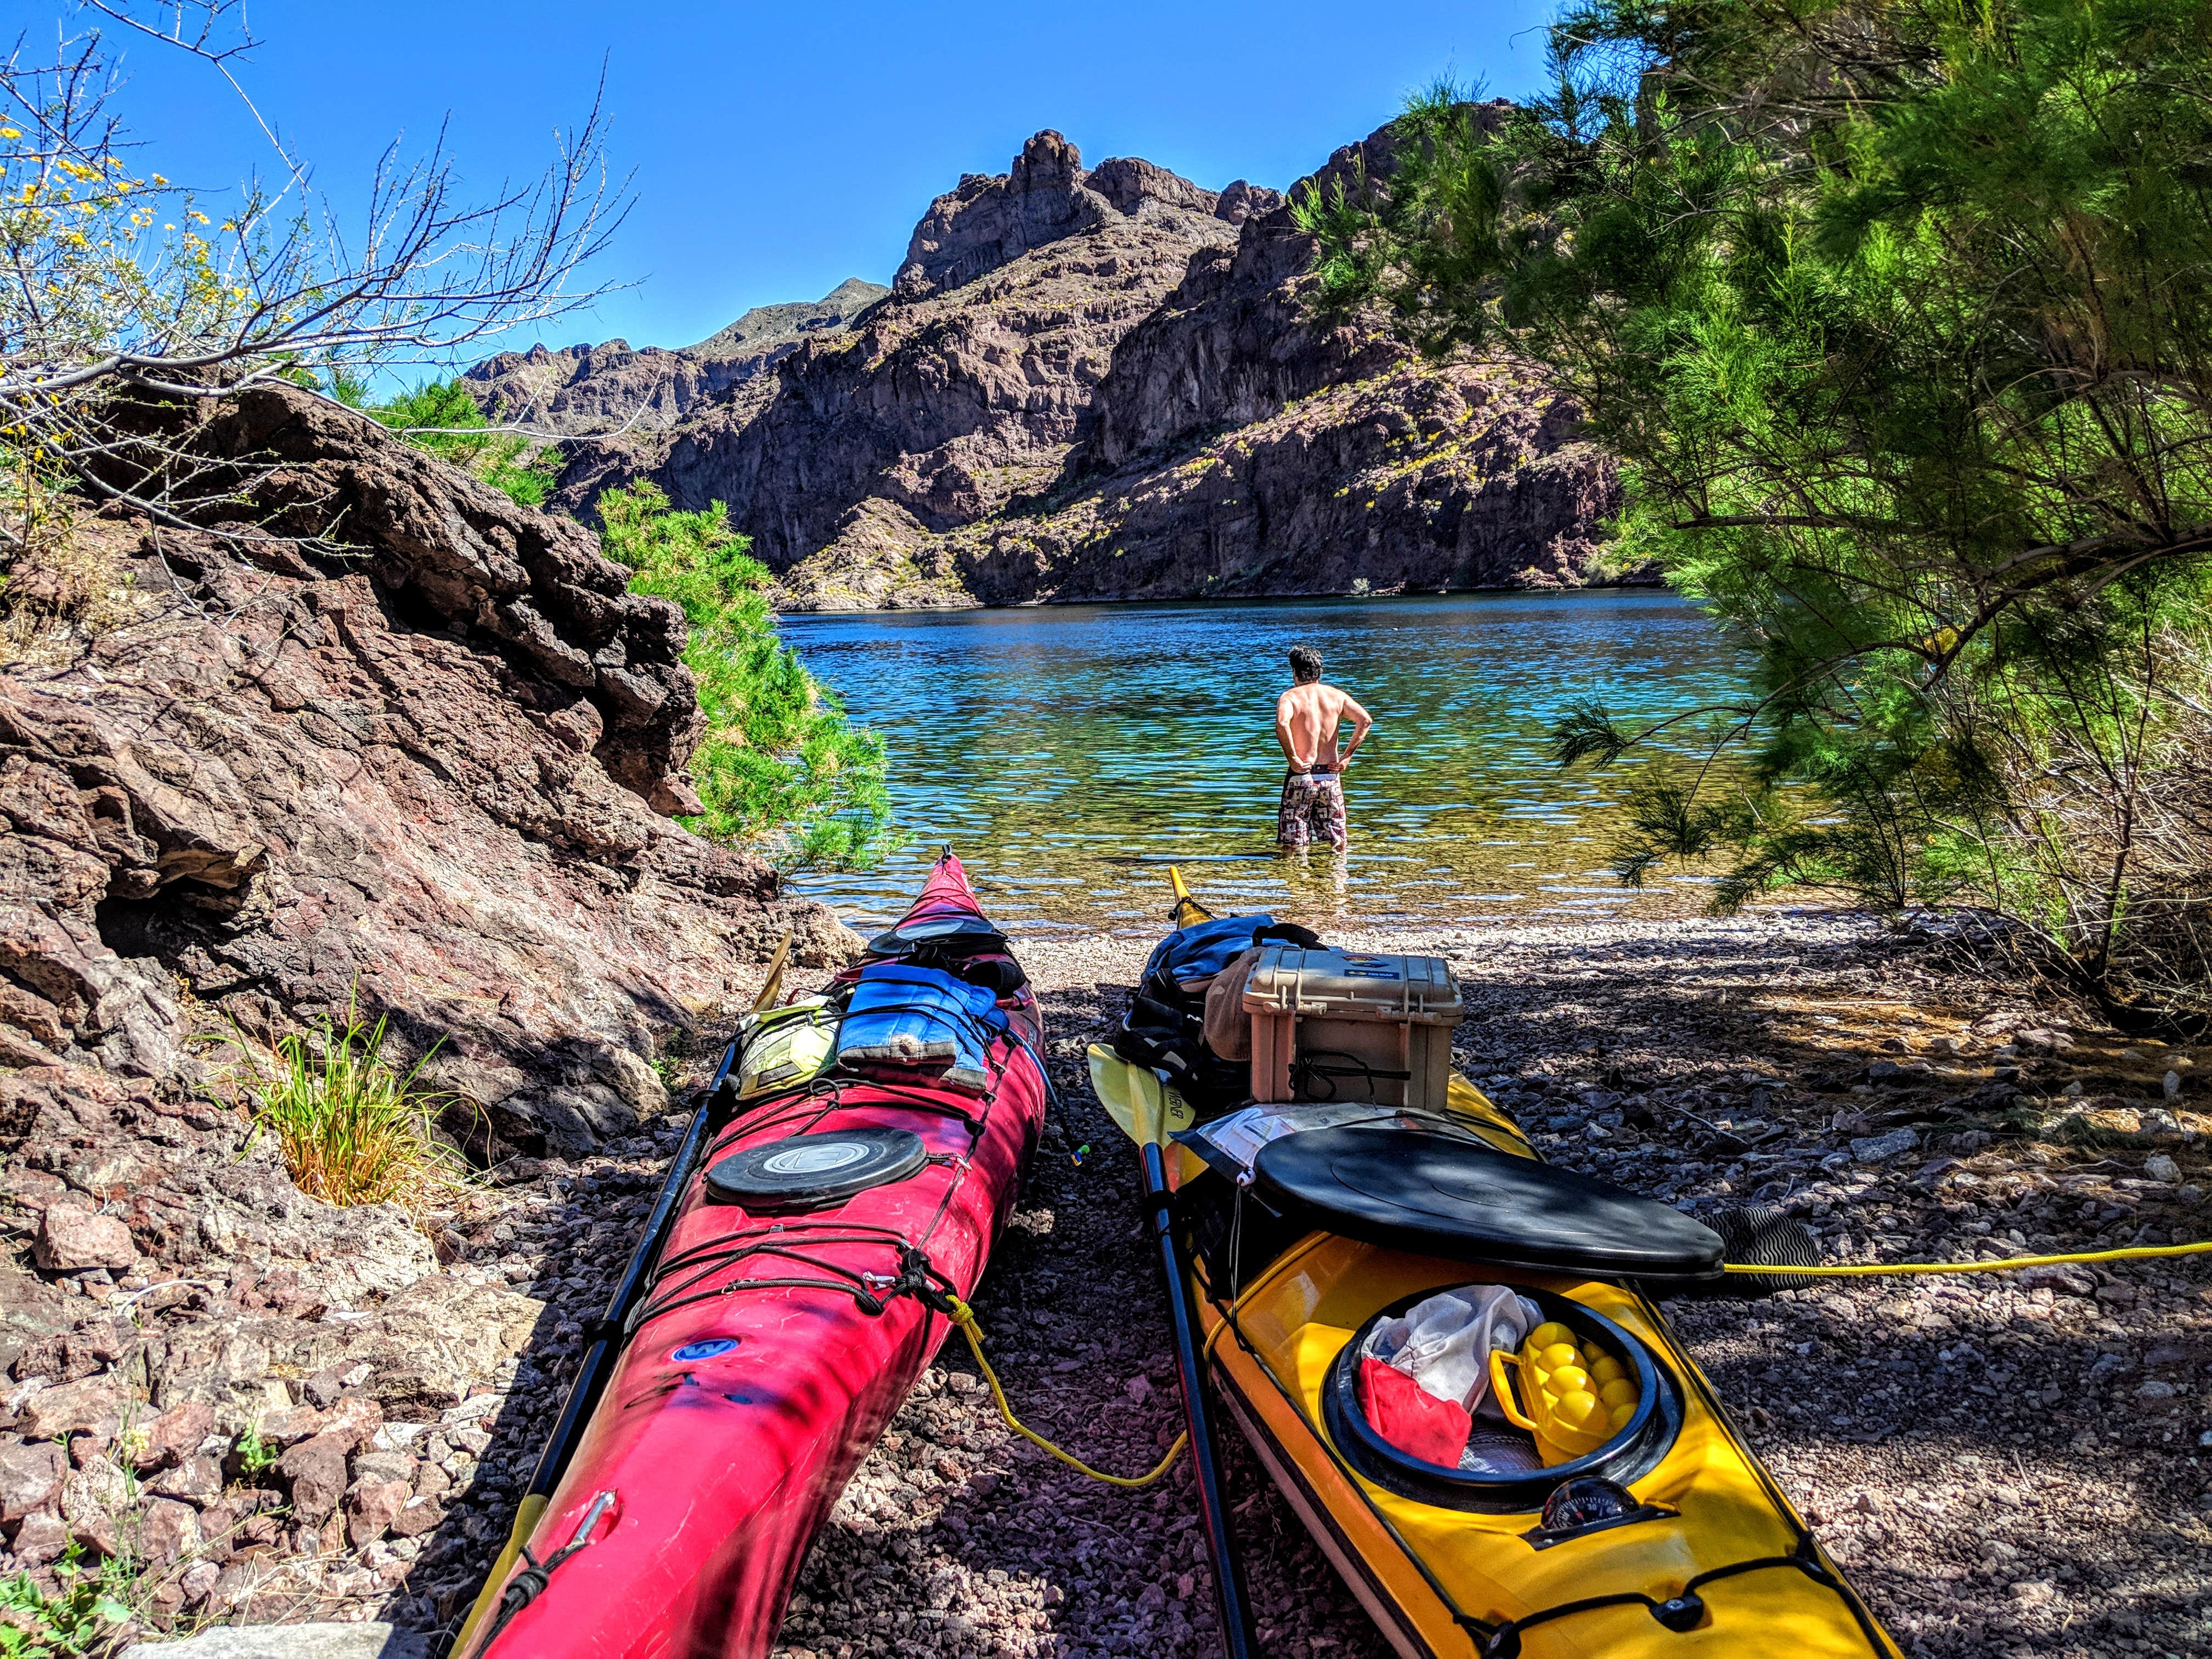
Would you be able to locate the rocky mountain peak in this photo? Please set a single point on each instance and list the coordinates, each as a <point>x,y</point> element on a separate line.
<point>1241,200</point>
<point>1048,161</point>
<point>989,221</point>
<point>764,328</point>
<point>1128,183</point>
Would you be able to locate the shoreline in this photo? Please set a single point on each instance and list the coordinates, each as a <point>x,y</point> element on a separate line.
<point>1632,583</point>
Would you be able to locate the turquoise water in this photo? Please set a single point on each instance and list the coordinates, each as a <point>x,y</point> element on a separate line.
<point>1071,753</point>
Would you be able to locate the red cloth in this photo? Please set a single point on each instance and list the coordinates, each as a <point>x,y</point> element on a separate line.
<point>1412,1419</point>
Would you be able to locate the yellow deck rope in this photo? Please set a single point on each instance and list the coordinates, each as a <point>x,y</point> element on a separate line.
<point>2131,1253</point>
<point>963,1317</point>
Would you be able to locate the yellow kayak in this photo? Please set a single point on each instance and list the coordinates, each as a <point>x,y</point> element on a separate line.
<point>1654,1532</point>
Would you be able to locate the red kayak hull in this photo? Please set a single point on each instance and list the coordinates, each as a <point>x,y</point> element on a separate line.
<point>722,1467</point>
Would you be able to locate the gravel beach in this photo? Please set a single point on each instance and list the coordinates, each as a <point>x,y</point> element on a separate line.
<point>2009,1464</point>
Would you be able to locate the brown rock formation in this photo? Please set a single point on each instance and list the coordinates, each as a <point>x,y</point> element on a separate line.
<point>1111,385</point>
<point>420,765</point>
<point>946,403</point>
<point>392,744</point>
<point>585,389</point>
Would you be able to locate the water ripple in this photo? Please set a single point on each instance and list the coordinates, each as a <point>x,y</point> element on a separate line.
<point>1071,753</point>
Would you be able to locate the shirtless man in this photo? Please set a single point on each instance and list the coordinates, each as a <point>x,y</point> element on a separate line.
<point>1306,718</point>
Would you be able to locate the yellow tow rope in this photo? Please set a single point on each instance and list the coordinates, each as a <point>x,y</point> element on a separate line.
<point>963,1316</point>
<point>2131,1253</point>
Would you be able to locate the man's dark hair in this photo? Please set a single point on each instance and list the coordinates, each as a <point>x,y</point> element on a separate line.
<point>1305,664</point>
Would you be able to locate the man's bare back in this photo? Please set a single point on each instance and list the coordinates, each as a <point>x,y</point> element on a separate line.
<point>1306,721</point>
<point>1307,717</point>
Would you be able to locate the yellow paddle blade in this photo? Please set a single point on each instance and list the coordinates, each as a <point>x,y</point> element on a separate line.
<point>774,983</point>
<point>1146,1108</point>
<point>526,1517</point>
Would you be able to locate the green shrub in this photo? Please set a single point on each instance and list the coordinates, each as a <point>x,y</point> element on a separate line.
<point>439,417</point>
<point>77,1618</point>
<point>780,765</point>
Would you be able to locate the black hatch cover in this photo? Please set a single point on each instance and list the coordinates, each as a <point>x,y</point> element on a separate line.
<point>1445,1196</point>
<point>962,933</point>
<point>812,1172</point>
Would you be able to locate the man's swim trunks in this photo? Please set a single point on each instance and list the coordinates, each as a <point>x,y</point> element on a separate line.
<point>1313,806</point>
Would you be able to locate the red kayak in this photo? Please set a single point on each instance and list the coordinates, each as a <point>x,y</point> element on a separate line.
<point>798,1293</point>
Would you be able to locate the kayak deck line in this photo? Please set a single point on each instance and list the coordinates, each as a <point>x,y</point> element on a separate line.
<point>964,1319</point>
<point>2005,1264</point>
<point>531,1582</point>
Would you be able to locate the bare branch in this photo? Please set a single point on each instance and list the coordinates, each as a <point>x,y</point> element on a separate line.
<point>118,286</point>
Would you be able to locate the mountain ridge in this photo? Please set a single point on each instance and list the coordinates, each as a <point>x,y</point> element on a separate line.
<point>584,389</point>
<point>1109,383</point>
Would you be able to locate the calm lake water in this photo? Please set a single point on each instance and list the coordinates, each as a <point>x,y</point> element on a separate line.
<point>1070,754</point>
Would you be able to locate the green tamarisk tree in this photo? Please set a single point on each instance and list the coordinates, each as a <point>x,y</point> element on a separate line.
<point>778,765</point>
<point>1899,319</point>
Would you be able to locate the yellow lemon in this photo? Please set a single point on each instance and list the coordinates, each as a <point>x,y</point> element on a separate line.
<point>1569,1379</point>
<point>1606,1368</point>
<point>1618,1392</point>
<point>1617,1418</point>
<point>1545,1336</point>
<point>1579,1409</point>
<point>1556,1354</point>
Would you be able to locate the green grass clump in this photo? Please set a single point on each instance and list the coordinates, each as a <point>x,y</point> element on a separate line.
<point>353,1129</point>
<point>781,766</point>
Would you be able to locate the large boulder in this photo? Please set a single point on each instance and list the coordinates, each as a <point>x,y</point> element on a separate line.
<point>987,222</point>
<point>423,780</point>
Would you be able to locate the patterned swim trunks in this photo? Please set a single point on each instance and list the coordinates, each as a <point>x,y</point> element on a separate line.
<point>1313,806</point>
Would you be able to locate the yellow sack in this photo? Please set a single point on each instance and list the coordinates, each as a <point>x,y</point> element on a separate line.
<point>780,1047</point>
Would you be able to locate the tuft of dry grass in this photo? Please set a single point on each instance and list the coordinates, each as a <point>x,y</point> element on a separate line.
<point>352,1127</point>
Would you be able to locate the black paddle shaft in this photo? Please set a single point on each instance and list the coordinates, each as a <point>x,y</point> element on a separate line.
<point>1228,1581</point>
<point>597,1363</point>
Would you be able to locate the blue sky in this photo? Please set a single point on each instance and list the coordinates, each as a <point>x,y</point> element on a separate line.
<point>779,150</point>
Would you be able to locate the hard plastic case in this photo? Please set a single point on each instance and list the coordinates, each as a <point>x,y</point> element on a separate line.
<point>1340,1025</point>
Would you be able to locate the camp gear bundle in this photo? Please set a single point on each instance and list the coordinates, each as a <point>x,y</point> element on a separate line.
<point>1166,1028</point>
<point>1440,1347</point>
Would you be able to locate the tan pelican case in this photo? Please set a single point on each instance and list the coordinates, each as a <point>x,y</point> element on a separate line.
<point>1338,1025</point>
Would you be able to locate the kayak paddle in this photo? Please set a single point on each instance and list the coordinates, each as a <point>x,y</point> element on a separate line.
<point>1146,1109</point>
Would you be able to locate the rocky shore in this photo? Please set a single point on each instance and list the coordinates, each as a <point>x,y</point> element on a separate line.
<point>2009,1464</point>
<point>280,1411</point>
<point>391,745</point>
